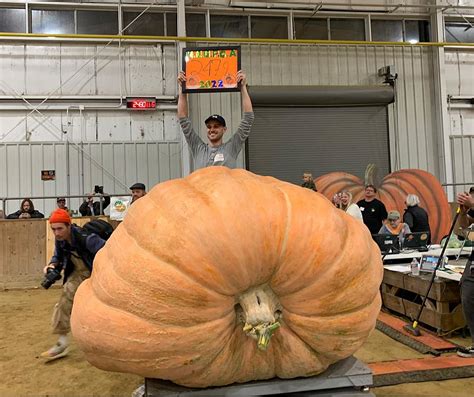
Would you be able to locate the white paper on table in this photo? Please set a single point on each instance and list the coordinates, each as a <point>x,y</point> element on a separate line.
<point>399,268</point>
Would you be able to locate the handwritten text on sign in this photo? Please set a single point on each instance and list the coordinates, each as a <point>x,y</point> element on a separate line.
<point>211,69</point>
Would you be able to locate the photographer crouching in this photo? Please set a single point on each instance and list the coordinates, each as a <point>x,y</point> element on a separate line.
<point>74,252</point>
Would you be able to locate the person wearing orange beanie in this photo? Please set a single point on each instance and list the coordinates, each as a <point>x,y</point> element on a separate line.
<point>74,253</point>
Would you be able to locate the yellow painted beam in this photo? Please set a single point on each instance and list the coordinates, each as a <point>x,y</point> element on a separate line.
<point>226,40</point>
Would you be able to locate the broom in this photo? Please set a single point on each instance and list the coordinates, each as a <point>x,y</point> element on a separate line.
<point>412,328</point>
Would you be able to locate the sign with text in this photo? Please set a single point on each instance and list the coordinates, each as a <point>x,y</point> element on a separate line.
<point>48,175</point>
<point>211,69</point>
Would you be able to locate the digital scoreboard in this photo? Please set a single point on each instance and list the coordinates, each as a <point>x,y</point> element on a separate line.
<point>141,103</point>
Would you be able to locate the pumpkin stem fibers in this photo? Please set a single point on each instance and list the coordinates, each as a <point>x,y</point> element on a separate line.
<point>260,312</point>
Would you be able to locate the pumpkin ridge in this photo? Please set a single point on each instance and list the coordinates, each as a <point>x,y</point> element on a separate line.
<point>146,253</point>
<point>317,355</point>
<point>149,319</point>
<point>174,265</point>
<point>287,229</point>
<point>245,187</point>
<point>325,269</point>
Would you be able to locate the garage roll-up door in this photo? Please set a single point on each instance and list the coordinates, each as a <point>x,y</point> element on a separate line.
<point>288,140</point>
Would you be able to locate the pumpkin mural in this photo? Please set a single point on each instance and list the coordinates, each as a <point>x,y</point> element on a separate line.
<point>225,276</point>
<point>393,191</point>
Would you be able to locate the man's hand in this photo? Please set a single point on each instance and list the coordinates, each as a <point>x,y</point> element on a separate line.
<point>49,266</point>
<point>241,78</point>
<point>465,200</point>
<point>181,79</point>
<point>24,215</point>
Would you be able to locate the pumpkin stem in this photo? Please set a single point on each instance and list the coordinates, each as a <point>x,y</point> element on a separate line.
<point>370,174</point>
<point>260,312</point>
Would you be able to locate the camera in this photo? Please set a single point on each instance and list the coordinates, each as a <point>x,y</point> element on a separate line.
<point>52,275</point>
<point>98,189</point>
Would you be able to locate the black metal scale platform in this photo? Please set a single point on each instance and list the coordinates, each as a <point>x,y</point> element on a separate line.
<point>349,377</point>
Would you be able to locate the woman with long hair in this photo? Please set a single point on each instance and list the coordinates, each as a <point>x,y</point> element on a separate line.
<point>26,211</point>
<point>343,200</point>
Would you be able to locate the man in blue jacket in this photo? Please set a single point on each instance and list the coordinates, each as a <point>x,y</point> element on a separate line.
<point>74,253</point>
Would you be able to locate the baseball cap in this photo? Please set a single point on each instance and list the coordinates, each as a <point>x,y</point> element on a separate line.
<point>138,185</point>
<point>393,215</point>
<point>217,118</point>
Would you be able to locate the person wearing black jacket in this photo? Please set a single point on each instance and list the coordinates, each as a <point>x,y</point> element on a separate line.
<point>91,208</point>
<point>74,252</point>
<point>26,211</point>
<point>373,210</point>
<point>466,204</point>
<point>416,217</point>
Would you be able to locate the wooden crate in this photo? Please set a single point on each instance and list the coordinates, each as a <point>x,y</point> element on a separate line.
<point>402,293</point>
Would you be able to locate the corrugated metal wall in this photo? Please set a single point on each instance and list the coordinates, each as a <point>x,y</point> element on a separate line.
<point>460,83</point>
<point>413,137</point>
<point>37,69</point>
<point>462,152</point>
<point>115,165</point>
<point>87,69</point>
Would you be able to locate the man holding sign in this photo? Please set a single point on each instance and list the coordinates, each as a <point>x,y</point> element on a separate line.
<point>215,152</point>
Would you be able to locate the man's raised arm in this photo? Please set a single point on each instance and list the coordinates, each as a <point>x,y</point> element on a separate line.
<point>182,98</point>
<point>246,101</point>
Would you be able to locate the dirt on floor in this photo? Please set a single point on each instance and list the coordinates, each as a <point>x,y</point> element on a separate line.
<point>25,333</point>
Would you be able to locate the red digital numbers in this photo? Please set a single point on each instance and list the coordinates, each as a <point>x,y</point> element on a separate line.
<point>141,103</point>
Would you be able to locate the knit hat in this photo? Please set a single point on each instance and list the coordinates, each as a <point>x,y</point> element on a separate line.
<point>59,216</point>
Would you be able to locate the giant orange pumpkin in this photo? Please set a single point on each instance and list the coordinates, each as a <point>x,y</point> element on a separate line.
<point>225,276</point>
<point>393,191</point>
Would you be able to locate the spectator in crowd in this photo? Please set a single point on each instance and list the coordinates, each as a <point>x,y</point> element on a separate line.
<point>343,200</point>
<point>466,203</point>
<point>308,181</point>
<point>416,217</point>
<point>26,211</point>
<point>91,208</point>
<point>138,190</point>
<point>215,152</point>
<point>394,226</point>
<point>74,253</point>
<point>61,203</point>
<point>373,210</point>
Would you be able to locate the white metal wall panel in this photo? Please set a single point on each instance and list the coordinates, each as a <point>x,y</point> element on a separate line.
<point>115,165</point>
<point>48,127</point>
<point>43,69</point>
<point>459,72</point>
<point>77,69</point>
<point>462,121</point>
<point>89,126</point>
<point>108,69</point>
<point>462,151</point>
<point>144,70</point>
<point>147,126</point>
<point>12,69</point>
<point>12,126</point>
<point>170,58</point>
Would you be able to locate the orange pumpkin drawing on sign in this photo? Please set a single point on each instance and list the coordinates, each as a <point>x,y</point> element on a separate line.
<point>211,69</point>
